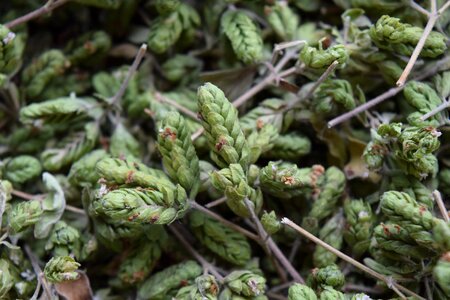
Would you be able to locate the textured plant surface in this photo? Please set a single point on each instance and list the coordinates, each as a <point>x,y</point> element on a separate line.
<point>166,149</point>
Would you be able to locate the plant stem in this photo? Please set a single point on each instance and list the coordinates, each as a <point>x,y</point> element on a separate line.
<point>263,238</point>
<point>390,283</point>
<point>412,60</point>
<point>137,60</point>
<point>181,108</point>
<point>205,264</point>
<point>436,110</point>
<point>311,91</point>
<point>224,221</point>
<point>438,198</point>
<point>442,64</point>
<point>37,269</point>
<point>216,202</point>
<point>48,7</point>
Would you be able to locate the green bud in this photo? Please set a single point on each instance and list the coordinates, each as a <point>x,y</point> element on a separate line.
<point>329,293</point>
<point>331,190</point>
<point>61,268</point>
<point>70,148</point>
<point>88,48</point>
<point>332,96</point>
<point>136,207</point>
<point>175,69</point>
<point>9,50</point>
<point>117,171</point>
<point>399,207</point>
<point>22,168</point>
<point>64,240</point>
<point>320,59</point>
<point>444,181</point>
<point>222,128</point>
<point>82,173</point>
<point>205,287</point>
<point>245,283</point>
<point>6,189</point>
<point>441,234</point>
<point>441,273</point>
<point>270,111</point>
<point>290,146</point>
<point>178,153</point>
<point>123,144</point>
<point>392,237</point>
<point>332,234</point>
<point>164,284</point>
<point>286,180</point>
<point>57,111</point>
<point>24,215</point>
<point>359,224</point>
<point>328,276</point>
<point>401,38</point>
<point>233,182</point>
<point>141,260</point>
<point>423,99</point>
<point>219,239</point>
<point>261,141</point>
<point>283,20</point>
<point>301,292</point>
<point>244,36</point>
<point>270,222</point>
<point>6,278</point>
<point>42,71</point>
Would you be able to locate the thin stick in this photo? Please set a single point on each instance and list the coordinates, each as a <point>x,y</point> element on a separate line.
<point>442,64</point>
<point>37,269</point>
<point>75,210</point>
<point>412,60</point>
<point>216,202</point>
<point>181,108</point>
<point>284,261</point>
<point>419,8</point>
<point>224,221</point>
<point>436,110</point>
<point>438,198</point>
<point>311,91</point>
<point>433,16</point>
<point>205,264</point>
<point>137,60</point>
<point>48,7</point>
<point>264,236</point>
<point>390,283</point>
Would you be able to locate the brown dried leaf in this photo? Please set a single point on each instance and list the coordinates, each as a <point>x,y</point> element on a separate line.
<point>79,289</point>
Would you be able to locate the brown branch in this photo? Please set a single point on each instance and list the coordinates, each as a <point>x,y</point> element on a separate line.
<point>181,108</point>
<point>442,64</point>
<point>47,8</point>
<point>205,264</point>
<point>137,60</point>
<point>433,16</point>
<point>390,283</point>
<point>438,198</point>
<point>224,221</point>
<point>263,239</point>
<point>321,79</point>
<point>37,269</point>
